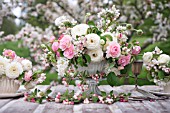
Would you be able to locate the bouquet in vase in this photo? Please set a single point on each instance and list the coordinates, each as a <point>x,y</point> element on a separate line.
<point>15,71</point>
<point>93,49</point>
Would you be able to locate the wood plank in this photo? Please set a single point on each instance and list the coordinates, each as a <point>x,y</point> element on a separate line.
<point>114,108</point>
<point>78,108</point>
<point>4,101</point>
<point>155,107</point>
<point>19,106</point>
<point>52,107</point>
<point>96,108</point>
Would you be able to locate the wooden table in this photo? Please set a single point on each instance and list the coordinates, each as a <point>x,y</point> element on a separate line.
<point>21,106</point>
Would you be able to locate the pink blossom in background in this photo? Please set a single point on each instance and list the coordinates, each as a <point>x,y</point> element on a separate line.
<point>52,39</point>
<point>9,53</point>
<point>65,42</point>
<point>55,46</point>
<point>69,52</point>
<point>124,60</point>
<point>113,50</point>
<point>28,76</point>
<point>136,50</point>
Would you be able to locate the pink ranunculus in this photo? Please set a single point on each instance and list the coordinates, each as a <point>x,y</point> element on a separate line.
<point>28,76</point>
<point>52,38</point>
<point>65,42</point>
<point>69,52</point>
<point>136,50</point>
<point>9,53</point>
<point>124,60</point>
<point>113,50</point>
<point>55,46</point>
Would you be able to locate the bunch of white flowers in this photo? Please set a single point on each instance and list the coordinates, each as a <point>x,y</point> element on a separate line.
<point>158,65</point>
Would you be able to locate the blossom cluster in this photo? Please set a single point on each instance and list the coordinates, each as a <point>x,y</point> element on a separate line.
<point>158,66</point>
<point>19,69</point>
<point>71,98</point>
<point>32,37</point>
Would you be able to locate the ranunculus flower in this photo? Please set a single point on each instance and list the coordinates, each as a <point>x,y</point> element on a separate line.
<point>28,76</point>
<point>65,42</point>
<point>163,59</point>
<point>96,55</point>
<point>147,57</point>
<point>27,65</point>
<point>136,50</point>
<point>93,41</point>
<point>79,30</point>
<point>55,46</point>
<point>113,50</point>
<point>9,53</point>
<point>69,52</point>
<point>124,60</point>
<point>13,70</point>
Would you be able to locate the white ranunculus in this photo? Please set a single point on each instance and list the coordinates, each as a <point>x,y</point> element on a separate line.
<point>163,59</point>
<point>79,30</point>
<point>3,63</point>
<point>93,41</point>
<point>13,70</point>
<point>96,55</point>
<point>27,65</point>
<point>147,57</point>
<point>107,34</point>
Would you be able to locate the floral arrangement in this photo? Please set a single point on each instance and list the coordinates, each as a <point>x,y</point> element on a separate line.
<point>19,69</point>
<point>71,98</point>
<point>157,66</point>
<point>84,44</point>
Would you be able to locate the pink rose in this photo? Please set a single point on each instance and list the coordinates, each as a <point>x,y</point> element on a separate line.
<point>55,46</point>
<point>9,53</point>
<point>136,50</point>
<point>28,76</point>
<point>124,60</point>
<point>69,52</point>
<point>65,42</point>
<point>52,38</point>
<point>113,50</point>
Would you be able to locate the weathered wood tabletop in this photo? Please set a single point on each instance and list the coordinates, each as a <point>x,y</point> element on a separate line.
<point>21,106</point>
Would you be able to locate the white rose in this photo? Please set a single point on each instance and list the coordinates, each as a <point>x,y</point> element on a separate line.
<point>27,65</point>
<point>163,59</point>
<point>93,41</point>
<point>96,55</point>
<point>79,30</point>
<point>13,70</point>
<point>147,57</point>
<point>3,63</point>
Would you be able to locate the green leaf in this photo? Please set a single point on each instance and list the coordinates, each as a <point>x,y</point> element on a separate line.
<point>49,91</point>
<point>161,75</point>
<point>80,61</point>
<point>108,37</point>
<point>88,58</point>
<point>91,23</point>
<point>94,99</point>
<point>66,93</point>
<point>103,93</point>
<point>112,79</point>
